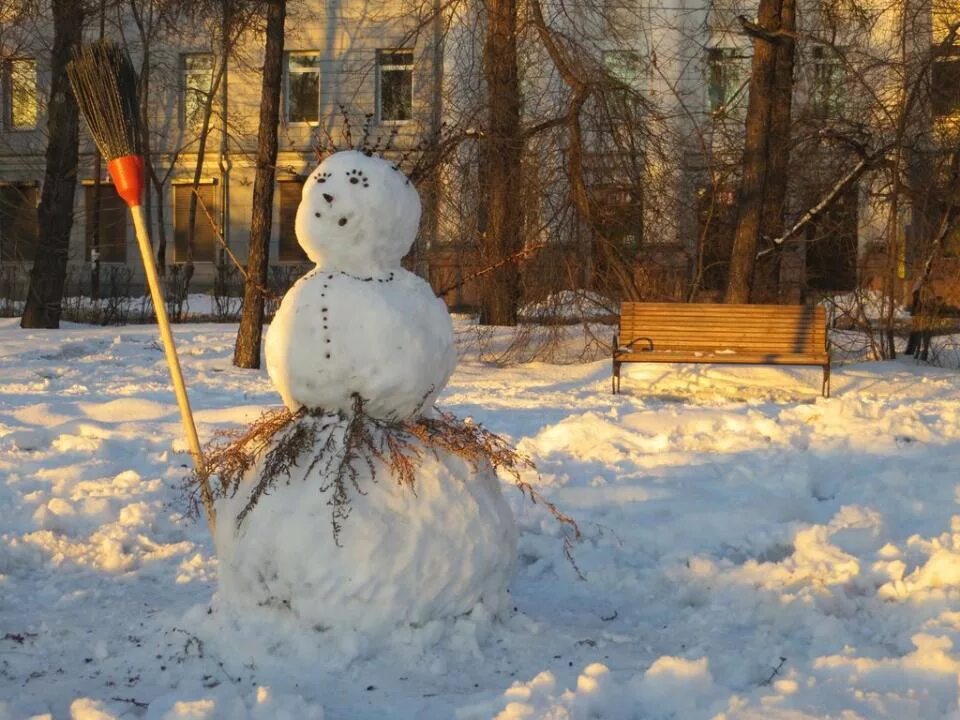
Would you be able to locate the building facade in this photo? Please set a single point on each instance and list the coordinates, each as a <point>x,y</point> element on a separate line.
<point>661,162</point>
<point>351,76</point>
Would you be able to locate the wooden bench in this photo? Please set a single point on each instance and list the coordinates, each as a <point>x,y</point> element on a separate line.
<point>740,334</point>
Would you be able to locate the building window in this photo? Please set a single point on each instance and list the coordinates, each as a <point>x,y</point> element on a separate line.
<point>289,248</point>
<point>829,77</point>
<point>949,217</point>
<point>302,91</point>
<point>625,66</point>
<point>205,241</point>
<point>620,17</point>
<point>615,191</point>
<point>945,83</point>
<point>831,245</point>
<point>18,223</point>
<point>112,241</point>
<point>20,107</point>
<point>724,78</point>
<point>197,81</point>
<point>394,86</point>
<point>716,224</point>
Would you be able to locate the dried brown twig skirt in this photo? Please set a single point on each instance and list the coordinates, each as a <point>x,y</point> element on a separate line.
<point>336,445</point>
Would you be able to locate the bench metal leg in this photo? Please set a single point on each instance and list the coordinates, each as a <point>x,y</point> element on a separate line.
<point>615,380</point>
<point>826,381</point>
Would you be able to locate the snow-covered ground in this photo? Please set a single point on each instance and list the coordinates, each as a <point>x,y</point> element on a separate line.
<point>750,549</point>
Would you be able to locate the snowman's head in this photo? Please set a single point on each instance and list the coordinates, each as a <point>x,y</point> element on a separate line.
<point>357,212</point>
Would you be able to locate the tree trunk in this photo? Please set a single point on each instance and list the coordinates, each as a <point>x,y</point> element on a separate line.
<point>501,234</point>
<point>247,351</point>
<point>778,156</point>
<point>55,214</point>
<point>754,170</point>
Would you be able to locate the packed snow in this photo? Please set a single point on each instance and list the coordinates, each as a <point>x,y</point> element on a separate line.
<point>357,213</point>
<point>359,323</point>
<point>750,549</point>
<point>402,558</point>
<point>335,335</point>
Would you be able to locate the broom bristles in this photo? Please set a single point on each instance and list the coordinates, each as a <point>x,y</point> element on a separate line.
<point>105,86</point>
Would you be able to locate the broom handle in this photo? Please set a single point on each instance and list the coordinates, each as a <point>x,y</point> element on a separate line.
<point>146,251</point>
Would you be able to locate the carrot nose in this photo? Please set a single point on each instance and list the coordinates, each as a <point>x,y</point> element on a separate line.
<point>328,198</point>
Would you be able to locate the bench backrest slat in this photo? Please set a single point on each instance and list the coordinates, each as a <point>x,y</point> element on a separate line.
<point>776,328</point>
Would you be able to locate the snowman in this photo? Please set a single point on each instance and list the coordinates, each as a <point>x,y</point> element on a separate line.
<point>361,325</point>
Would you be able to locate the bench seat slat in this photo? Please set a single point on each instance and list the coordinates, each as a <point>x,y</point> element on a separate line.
<point>722,344</point>
<point>773,325</point>
<point>717,338</point>
<point>739,358</point>
<point>692,325</point>
<point>720,308</point>
<point>712,336</point>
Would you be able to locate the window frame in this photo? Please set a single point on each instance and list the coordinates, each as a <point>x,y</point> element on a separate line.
<point>35,189</point>
<point>300,257</point>
<point>950,212</point>
<point>8,95</point>
<point>724,59</point>
<point>827,99</point>
<point>213,209</point>
<point>938,99</point>
<point>316,70</point>
<point>382,66</point>
<point>119,211</point>
<point>188,122</point>
<point>627,66</point>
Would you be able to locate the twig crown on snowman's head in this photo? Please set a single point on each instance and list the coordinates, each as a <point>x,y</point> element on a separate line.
<point>357,213</point>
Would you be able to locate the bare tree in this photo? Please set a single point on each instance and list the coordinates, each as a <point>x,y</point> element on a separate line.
<point>500,160</point>
<point>766,146</point>
<point>247,350</point>
<point>55,214</point>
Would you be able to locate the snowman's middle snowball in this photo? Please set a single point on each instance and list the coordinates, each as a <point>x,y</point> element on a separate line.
<point>387,339</point>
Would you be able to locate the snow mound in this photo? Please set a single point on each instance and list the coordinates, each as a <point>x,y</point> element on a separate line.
<point>389,340</point>
<point>570,306</point>
<point>672,688</point>
<point>405,556</point>
<point>870,305</point>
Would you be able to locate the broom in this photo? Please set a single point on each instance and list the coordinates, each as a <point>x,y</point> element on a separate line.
<point>105,86</point>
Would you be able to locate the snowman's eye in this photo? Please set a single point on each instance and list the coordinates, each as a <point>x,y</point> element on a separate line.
<point>318,214</point>
<point>341,222</point>
<point>356,176</point>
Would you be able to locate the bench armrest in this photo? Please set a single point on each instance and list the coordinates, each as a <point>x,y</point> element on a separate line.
<point>629,345</point>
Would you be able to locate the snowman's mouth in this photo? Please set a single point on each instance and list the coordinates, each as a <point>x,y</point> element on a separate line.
<point>341,222</point>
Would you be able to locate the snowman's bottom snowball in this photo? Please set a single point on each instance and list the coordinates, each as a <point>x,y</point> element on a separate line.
<point>406,556</point>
